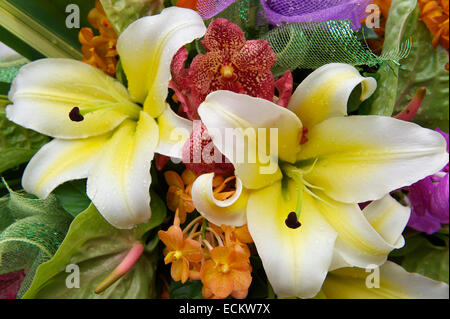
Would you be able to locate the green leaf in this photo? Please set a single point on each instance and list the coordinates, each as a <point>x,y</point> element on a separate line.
<point>31,232</point>
<point>425,67</point>
<point>188,290</point>
<point>383,100</point>
<point>17,144</point>
<point>72,196</point>
<point>123,12</point>
<point>39,26</point>
<point>97,248</point>
<point>419,255</point>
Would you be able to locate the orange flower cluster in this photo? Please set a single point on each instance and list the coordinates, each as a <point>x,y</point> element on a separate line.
<point>218,256</point>
<point>434,13</point>
<point>99,50</point>
<point>179,194</point>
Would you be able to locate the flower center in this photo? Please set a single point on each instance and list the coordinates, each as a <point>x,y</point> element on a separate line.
<point>174,255</point>
<point>223,268</point>
<point>227,71</point>
<point>125,107</point>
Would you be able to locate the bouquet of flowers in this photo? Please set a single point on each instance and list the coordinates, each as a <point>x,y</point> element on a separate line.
<point>224,149</point>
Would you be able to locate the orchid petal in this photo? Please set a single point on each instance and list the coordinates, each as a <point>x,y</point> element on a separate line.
<point>174,131</point>
<point>395,283</point>
<point>231,211</point>
<point>225,112</point>
<point>296,261</point>
<point>146,48</point>
<point>60,161</point>
<point>118,184</point>
<point>45,91</point>
<point>362,158</point>
<point>325,92</point>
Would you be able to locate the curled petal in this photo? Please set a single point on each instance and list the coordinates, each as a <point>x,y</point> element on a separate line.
<point>119,183</point>
<point>325,93</point>
<point>255,123</point>
<point>43,103</point>
<point>365,239</point>
<point>228,212</point>
<point>147,47</point>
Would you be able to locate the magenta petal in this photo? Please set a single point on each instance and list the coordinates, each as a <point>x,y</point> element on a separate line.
<point>425,223</point>
<point>10,284</point>
<point>439,201</point>
<point>284,86</point>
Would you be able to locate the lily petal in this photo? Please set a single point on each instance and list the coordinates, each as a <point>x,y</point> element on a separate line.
<point>304,253</point>
<point>146,48</point>
<point>45,91</point>
<point>395,283</point>
<point>250,119</point>
<point>360,243</point>
<point>60,161</point>
<point>325,93</point>
<point>362,158</point>
<point>231,211</point>
<point>118,184</point>
<point>389,218</point>
<point>174,131</point>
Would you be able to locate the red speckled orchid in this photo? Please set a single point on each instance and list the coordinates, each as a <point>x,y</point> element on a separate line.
<point>230,63</point>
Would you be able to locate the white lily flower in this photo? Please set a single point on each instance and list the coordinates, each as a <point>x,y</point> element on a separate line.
<point>389,281</point>
<point>303,215</point>
<point>111,139</point>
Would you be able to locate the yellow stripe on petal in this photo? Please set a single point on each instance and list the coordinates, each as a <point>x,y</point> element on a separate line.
<point>358,242</point>
<point>118,184</point>
<point>394,283</point>
<point>228,212</point>
<point>325,93</point>
<point>147,47</point>
<point>174,131</point>
<point>45,91</point>
<point>296,261</point>
<point>389,218</point>
<point>362,158</point>
<point>60,161</point>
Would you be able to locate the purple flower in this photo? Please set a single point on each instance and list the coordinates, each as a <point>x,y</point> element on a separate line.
<point>429,200</point>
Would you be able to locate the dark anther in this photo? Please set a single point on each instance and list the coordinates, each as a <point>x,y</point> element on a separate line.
<point>292,221</point>
<point>75,115</point>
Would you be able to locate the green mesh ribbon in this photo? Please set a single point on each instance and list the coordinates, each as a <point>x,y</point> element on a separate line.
<point>31,231</point>
<point>309,45</point>
<point>9,73</point>
<point>248,15</point>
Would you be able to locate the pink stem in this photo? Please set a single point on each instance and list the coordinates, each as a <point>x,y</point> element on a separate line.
<point>411,109</point>
<point>131,258</point>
